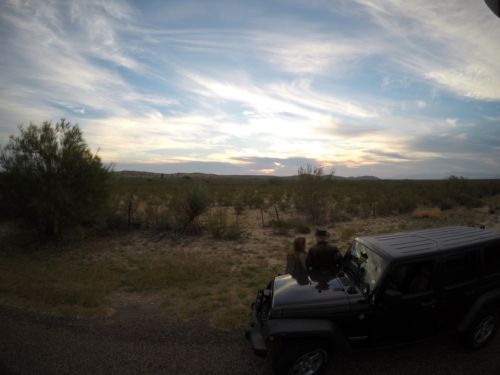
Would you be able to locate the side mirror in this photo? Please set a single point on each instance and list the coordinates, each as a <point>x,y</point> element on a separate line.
<point>392,296</point>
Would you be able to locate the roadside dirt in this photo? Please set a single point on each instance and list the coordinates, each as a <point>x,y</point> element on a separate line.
<point>140,343</point>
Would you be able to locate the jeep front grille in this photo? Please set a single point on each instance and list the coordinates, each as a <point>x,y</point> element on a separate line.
<point>263,304</point>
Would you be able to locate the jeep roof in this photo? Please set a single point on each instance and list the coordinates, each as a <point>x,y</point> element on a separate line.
<point>419,242</point>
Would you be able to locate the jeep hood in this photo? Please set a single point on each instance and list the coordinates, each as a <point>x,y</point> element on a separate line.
<point>307,299</point>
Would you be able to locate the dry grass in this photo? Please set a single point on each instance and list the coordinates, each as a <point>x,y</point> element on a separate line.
<point>188,286</point>
<point>195,277</point>
<point>429,213</point>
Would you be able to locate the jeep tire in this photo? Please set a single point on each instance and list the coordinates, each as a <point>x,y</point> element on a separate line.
<point>482,329</point>
<point>301,357</point>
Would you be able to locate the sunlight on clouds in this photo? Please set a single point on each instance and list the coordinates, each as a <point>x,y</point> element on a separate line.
<point>138,138</point>
<point>264,171</point>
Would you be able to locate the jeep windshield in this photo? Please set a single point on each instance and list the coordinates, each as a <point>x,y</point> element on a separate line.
<point>366,265</point>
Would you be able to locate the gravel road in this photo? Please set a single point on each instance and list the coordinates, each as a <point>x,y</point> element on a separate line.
<point>35,344</point>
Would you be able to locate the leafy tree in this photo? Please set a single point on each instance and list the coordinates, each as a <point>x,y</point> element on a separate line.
<point>51,180</point>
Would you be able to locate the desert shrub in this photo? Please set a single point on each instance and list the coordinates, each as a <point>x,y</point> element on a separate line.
<point>447,203</point>
<point>280,227</point>
<point>255,199</point>
<point>220,226</point>
<point>224,199</point>
<point>51,179</point>
<point>367,205</point>
<point>302,228</point>
<point>233,231</point>
<point>195,203</point>
<point>347,234</point>
<point>311,193</point>
<point>284,202</point>
<point>338,215</point>
<point>3,203</point>
<point>239,206</point>
<point>351,207</point>
<point>156,214</point>
<point>116,217</point>
<point>217,222</point>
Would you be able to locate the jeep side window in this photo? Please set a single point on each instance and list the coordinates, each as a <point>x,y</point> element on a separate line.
<point>491,256</point>
<point>397,280</point>
<point>460,268</point>
<point>412,278</point>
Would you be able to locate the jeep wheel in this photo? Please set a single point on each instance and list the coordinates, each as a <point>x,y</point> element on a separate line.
<point>301,357</point>
<point>482,330</point>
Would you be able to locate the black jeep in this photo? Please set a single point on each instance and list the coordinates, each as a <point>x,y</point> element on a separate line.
<point>391,289</point>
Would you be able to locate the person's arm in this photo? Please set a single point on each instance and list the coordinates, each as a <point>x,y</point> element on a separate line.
<point>309,258</point>
<point>289,263</point>
<point>338,256</point>
<point>302,259</point>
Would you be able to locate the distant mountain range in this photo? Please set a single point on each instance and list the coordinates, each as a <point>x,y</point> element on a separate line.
<point>154,175</point>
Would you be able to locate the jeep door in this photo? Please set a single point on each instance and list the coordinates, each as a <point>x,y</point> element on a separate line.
<point>491,267</point>
<point>411,313</point>
<point>459,279</point>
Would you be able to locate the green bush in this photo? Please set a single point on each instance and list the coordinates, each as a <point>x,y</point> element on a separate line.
<point>220,227</point>
<point>51,180</point>
<point>217,223</point>
<point>233,231</point>
<point>280,227</point>
<point>196,202</point>
<point>302,228</point>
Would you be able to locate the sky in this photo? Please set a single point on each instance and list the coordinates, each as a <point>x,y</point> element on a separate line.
<point>393,88</point>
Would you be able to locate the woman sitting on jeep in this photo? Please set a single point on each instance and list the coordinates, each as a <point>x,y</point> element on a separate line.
<point>296,260</point>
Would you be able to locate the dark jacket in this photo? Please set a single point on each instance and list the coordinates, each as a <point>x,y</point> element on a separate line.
<point>323,256</point>
<point>296,266</point>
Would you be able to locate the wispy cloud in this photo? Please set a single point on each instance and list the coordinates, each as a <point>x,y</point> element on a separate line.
<point>365,86</point>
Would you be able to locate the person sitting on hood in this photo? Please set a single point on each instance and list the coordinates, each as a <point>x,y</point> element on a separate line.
<point>323,256</point>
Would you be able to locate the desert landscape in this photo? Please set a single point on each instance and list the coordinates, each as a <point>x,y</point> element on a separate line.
<point>143,256</point>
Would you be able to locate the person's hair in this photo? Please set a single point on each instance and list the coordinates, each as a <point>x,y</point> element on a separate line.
<point>299,244</point>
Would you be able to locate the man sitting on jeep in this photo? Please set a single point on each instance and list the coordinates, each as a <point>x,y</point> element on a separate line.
<point>323,258</point>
